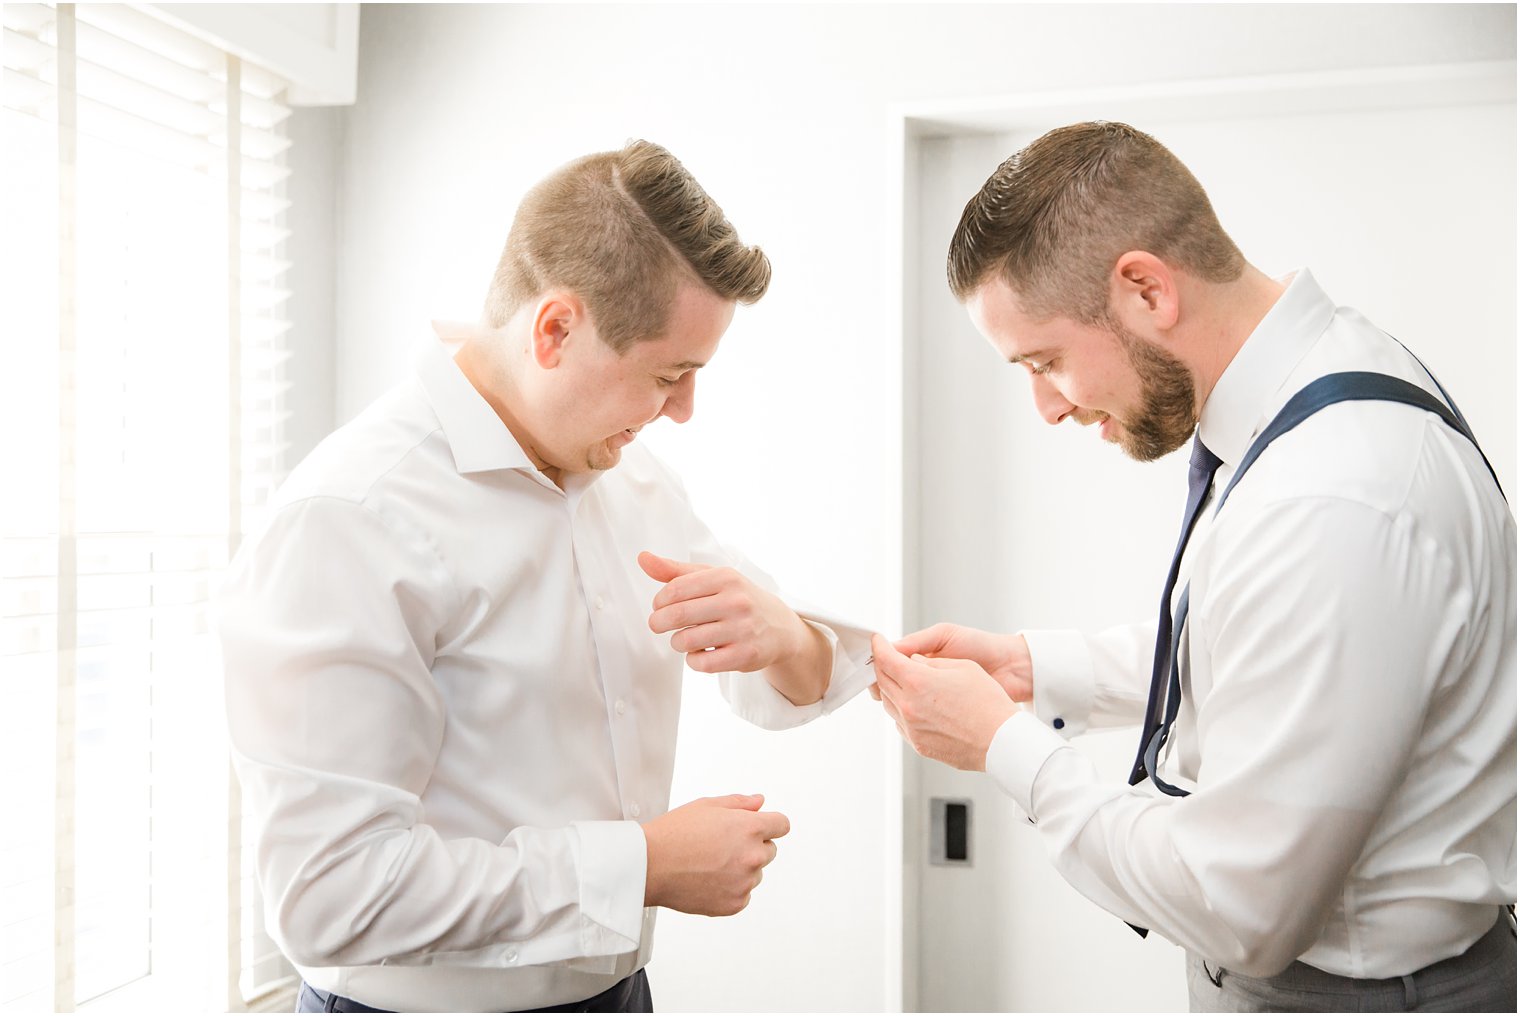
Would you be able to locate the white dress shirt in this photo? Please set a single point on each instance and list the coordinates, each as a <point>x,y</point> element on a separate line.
<point>1347,724</point>
<point>449,715</point>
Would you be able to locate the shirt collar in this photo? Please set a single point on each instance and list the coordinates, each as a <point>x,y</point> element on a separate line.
<point>1247,392</point>
<point>478,438</point>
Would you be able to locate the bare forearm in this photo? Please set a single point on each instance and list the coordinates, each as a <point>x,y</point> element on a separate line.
<point>803,675</point>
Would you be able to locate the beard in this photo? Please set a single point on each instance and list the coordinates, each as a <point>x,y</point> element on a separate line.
<point>1167,416</point>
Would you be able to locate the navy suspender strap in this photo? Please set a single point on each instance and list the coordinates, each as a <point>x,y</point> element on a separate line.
<point>1355,386</point>
<point>1349,386</point>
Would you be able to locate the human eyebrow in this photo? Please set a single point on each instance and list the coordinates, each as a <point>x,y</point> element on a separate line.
<point>685,365</point>
<point>1038,354</point>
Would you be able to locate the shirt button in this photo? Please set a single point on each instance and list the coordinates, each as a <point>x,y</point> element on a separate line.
<point>601,604</point>
<point>633,809</point>
<point>1058,723</point>
<point>620,707</point>
<point>511,956</point>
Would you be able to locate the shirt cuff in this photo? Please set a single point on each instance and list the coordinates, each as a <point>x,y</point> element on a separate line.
<point>756,700</point>
<point>851,647</point>
<point>1064,682</point>
<point>1018,752</point>
<point>613,861</point>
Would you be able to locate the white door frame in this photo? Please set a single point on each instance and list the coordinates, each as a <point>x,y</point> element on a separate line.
<point>1332,91</point>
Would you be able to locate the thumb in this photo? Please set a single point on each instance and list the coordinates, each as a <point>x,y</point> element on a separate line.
<point>663,569</point>
<point>927,642</point>
<point>884,652</point>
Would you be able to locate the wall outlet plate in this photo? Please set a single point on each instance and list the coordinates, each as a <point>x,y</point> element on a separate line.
<point>950,831</point>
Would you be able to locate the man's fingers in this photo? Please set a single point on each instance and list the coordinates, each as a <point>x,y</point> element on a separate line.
<point>685,613</point>
<point>698,580</point>
<point>698,637</point>
<point>664,569</point>
<point>929,641</point>
<point>718,661</point>
<point>746,802</point>
<point>773,825</point>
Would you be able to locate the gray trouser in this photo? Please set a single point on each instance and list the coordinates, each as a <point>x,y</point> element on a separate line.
<point>1480,980</point>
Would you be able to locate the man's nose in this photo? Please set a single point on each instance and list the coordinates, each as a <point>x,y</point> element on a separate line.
<point>1049,402</point>
<point>682,402</point>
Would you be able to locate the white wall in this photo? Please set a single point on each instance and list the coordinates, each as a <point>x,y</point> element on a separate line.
<point>782,112</point>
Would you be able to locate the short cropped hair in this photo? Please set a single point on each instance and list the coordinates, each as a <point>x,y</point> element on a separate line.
<point>1054,218</point>
<point>621,230</point>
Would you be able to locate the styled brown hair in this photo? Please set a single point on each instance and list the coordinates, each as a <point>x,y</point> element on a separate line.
<point>621,230</point>
<point>1053,219</point>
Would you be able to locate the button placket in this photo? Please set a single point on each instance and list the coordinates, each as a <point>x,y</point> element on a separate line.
<point>596,552</point>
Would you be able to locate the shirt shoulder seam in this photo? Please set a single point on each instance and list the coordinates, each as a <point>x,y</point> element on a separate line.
<point>362,503</point>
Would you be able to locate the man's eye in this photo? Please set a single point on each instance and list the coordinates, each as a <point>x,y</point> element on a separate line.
<point>1043,368</point>
<point>667,382</point>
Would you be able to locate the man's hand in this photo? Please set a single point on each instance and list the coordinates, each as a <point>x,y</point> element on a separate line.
<point>1005,657</point>
<point>947,710</point>
<point>706,857</point>
<point>723,621</point>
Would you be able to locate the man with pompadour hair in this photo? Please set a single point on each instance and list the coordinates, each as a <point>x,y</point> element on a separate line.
<point>623,229</point>
<point>1322,805</point>
<point>451,692</point>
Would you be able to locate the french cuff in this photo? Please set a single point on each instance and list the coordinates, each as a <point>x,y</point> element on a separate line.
<point>1064,682</point>
<point>757,701</point>
<point>851,645</point>
<point>613,862</point>
<point>1019,750</point>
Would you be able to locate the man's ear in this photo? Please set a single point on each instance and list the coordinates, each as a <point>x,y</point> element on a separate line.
<point>1143,294</point>
<point>556,317</point>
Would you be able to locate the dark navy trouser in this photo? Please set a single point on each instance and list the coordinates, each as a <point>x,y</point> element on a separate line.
<point>631,994</point>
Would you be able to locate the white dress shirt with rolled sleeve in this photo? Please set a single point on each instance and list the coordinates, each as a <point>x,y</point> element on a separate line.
<point>448,713</point>
<point>1347,724</point>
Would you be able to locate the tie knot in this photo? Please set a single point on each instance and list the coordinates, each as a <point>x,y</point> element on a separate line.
<point>1203,460</point>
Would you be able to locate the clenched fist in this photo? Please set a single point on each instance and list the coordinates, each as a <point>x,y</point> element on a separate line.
<point>706,857</point>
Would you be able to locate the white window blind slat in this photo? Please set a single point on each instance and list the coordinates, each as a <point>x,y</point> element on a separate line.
<point>32,18</point>
<point>184,109</point>
<point>195,139</point>
<point>26,92</point>
<point>142,290</point>
<point>144,30</point>
<point>262,205</point>
<point>29,46</point>
<point>21,52</point>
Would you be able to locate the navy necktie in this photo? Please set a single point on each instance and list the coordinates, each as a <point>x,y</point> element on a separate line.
<point>1165,677</point>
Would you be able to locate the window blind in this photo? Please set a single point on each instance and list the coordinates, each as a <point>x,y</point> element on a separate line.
<point>142,300</point>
